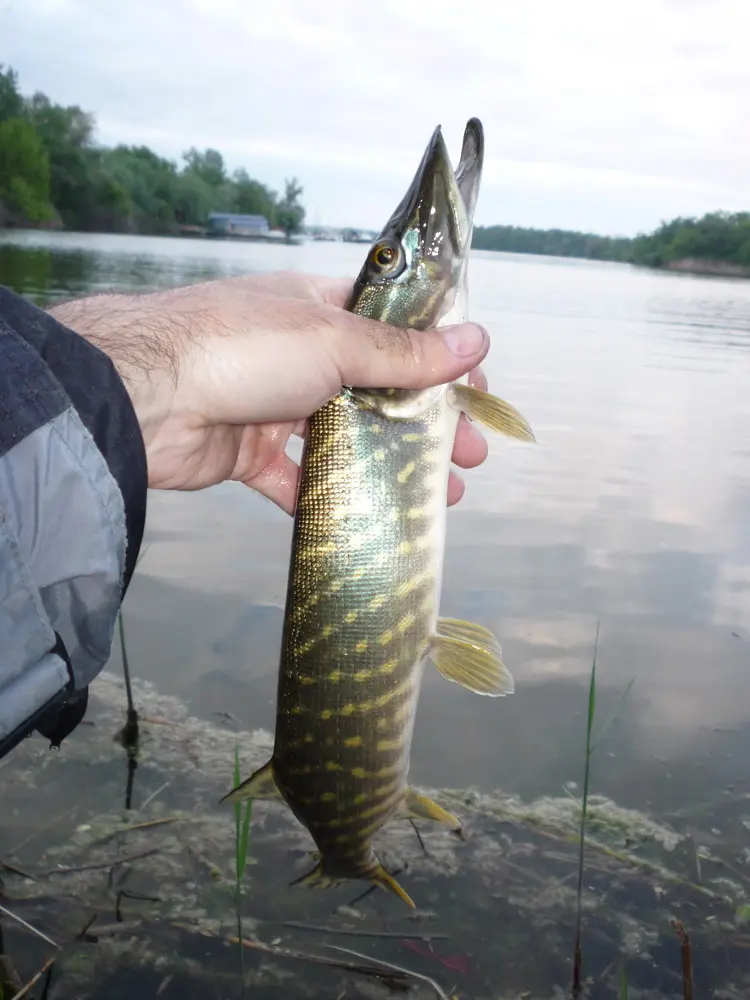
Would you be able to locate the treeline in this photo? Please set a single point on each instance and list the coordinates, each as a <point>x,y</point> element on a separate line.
<point>53,173</point>
<point>721,237</point>
<point>555,242</point>
<point>717,236</point>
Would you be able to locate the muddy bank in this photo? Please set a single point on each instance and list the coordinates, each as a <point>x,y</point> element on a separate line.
<point>143,898</point>
<point>717,268</point>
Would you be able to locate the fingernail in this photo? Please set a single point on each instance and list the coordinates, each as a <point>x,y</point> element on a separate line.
<point>464,340</point>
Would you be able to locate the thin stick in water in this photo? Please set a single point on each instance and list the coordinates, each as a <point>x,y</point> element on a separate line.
<point>687,959</point>
<point>35,979</point>
<point>94,865</point>
<point>355,932</point>
<point>29,927</point>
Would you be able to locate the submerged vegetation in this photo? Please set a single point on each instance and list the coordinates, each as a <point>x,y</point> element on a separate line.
<point>143,901</point>
<point>53,173</point>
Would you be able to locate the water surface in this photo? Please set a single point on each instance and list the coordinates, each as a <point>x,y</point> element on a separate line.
<point>632,511</point>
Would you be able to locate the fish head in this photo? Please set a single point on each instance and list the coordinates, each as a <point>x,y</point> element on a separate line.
<point>415,269</point>
<point>414,275</point>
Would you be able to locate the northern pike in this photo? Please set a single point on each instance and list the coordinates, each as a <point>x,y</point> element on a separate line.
<point>361,617</point>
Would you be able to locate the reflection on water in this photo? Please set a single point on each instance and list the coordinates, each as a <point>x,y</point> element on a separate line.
<point>632,510</point>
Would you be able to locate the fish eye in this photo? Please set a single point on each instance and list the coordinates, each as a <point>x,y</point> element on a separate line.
<point>387,259</point>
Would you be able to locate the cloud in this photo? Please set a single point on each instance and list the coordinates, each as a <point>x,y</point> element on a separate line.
<point>606,117</point>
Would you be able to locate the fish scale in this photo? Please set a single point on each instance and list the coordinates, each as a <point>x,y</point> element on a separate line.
<point>354,656</point>
<point>361,618</point>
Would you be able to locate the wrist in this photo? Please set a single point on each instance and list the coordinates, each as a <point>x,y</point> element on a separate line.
<point>132,334</point>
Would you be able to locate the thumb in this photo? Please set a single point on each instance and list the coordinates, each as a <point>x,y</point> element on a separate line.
<point>371,354</point>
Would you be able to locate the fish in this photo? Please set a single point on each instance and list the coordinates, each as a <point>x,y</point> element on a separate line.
<point>361,619</point>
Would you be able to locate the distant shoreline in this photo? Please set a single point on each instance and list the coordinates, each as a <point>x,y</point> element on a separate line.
<point>714,268</point>
<point>685,265</point>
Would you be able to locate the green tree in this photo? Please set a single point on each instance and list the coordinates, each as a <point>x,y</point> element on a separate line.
<point>51,167</point>
<point>67,134</point>
<point>11,101</point>
<point>24,172</point>
<point>289,212</point>
<point>253,198</point>
<point>208,165</point>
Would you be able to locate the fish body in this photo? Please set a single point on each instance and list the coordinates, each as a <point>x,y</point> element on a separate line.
<point>361,619</point>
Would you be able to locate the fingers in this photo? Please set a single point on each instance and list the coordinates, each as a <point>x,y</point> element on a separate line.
<point>368,353</point>
<point>456,488</point>
<point>470,446</point>
<point>478,379</point>
<point>278,481</point>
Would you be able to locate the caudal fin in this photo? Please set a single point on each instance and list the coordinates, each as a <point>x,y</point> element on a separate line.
<point>318,878</point>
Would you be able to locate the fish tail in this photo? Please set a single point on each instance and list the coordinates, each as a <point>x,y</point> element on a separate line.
<point>319,878</point>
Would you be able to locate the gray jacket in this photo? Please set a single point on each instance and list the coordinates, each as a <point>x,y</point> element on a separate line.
<point>73,486</point>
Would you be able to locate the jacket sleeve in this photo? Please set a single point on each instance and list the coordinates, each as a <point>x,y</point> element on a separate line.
<point>73,485</point>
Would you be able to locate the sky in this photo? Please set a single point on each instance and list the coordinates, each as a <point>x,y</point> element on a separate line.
<point>600,116</point>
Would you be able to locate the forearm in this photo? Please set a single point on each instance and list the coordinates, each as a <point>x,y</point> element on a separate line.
<point>131,330</point>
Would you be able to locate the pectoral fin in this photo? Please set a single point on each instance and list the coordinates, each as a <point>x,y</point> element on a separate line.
<point>470,655</point>
<point>478,635</point>
<point>260,785</point>
<point>418,806</point>
<point>489,410</point>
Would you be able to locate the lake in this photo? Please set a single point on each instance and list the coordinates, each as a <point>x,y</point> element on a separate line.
<point>632,513</point>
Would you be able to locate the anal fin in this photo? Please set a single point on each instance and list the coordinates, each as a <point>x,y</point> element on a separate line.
<point>489,410</point>
<point>418,806</point>
<point>260,785</point>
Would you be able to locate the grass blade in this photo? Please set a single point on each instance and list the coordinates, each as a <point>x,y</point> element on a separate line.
<point>577,953</point>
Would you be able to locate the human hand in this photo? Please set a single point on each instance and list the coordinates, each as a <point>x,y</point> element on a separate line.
<point>223,373</point>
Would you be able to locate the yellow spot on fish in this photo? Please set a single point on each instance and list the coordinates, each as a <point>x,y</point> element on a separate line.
<point>351,616</point>
<point>362,675</point>
<point>376,428</point>
<point>358,573</point>
<point>308,738</point>
<point>407,470</point>
<point>328,797</point>
<point>343,838</point>
<point>335,676</point>
<point>359,772</point>
<point>379,454</point>
<point>389,666</point>
<point>353,741</point>
<point>382,723</point>
<point>385,745</point>
<point>313,551</point>
<point>348,709</point>
<point>335,587</point>
<point>408,585</point>
<point>386,637</point>
<point>377,602</point>
<point>327,630</point>
<point>414,512</point>
<point>402,712</point>
<point>361,646</point>
<point>331,765</point>
<point>326,714</point>
<point>297,710</point>
<point>410,437</point>
<point>404,547</point>
<point>304,648</point>
<point>360,799</point>
<point>406,621</point>
<point>306,679</point>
